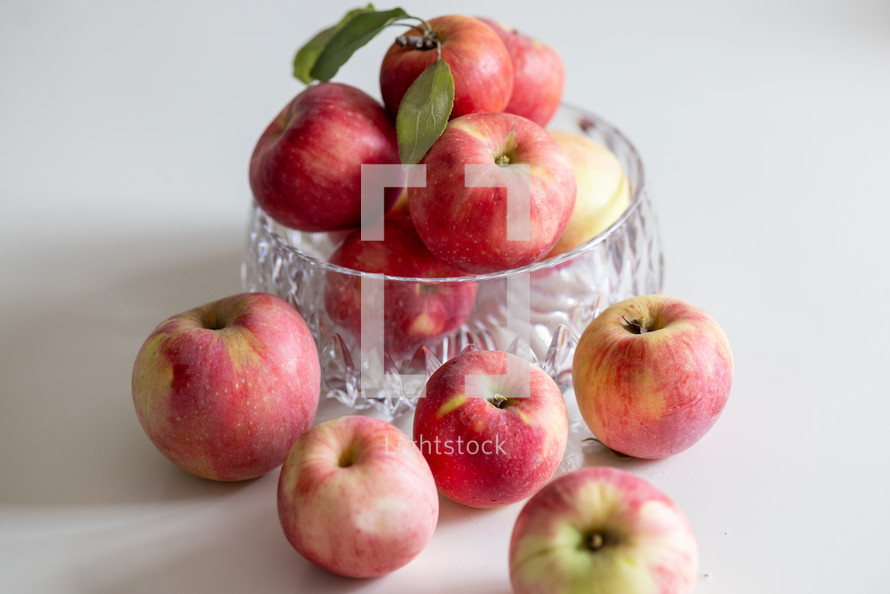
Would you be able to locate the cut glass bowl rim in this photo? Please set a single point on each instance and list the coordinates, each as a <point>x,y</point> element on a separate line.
<point>636,198</point>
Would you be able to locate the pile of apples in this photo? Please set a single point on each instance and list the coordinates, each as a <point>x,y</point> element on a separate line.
<point>454,174</point>
<point>229,391</point>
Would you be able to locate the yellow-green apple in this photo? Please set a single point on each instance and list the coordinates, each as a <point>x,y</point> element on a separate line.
<point>305,171</point>
<point>466,218</point>
<point>603,190</point>
<point>651,375</point>
<point>224,389</point>
<point>415,313</point>
<point>356,497</point>
<point>479,63</point>
<point>538,74</point>
<point>492,426</point>
<point>601,530</point>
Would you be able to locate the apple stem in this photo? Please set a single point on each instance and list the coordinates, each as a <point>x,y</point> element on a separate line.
<point>595,542</point>
<point>502,160</point>
<point>347,458</point>
<point>427,41</point>
<point>210,321</point>
<point>499,400</point>
<point>636,327</point>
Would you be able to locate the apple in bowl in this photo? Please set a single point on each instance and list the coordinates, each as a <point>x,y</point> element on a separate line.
<point>480,65</point>
<point>415,313</point>
<point>499,193</point>
<point>538,74</point>
<point>652,374</point>
<point>306,168</point>
<point>356,497</point>
<point>492,427</point>
<point>603,190</point>
<point>224,389</point>
<point>602,530</point>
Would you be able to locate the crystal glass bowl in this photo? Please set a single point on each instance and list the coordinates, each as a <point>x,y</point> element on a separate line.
<point>537,311</point>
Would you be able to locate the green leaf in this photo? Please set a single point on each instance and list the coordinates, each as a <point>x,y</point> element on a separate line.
<point>308,54</point>
<point>355,33</point>
<point>424,111</point>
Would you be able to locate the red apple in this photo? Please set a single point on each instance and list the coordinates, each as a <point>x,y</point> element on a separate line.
<point>603,192</point>
<point>651,375</point>
<point>415,313</point>
<point>224,389</point>
<point>305,171</point>
<point>479,62</point>
<point>602,530</point>
<point>474,228</point>
<point>538,74</point>
<point>492,427</point>
<point>356,497</point>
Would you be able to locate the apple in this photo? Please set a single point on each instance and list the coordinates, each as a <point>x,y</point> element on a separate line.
<point>651,375</point>
<point>602,530</point>
<point>603,192</point>
<point>538,74</point>
<point>224,389</point>
<point>415,313</point>
<point>470,227</point>
<point>305,171</point>
<point>492,427</point>
<point>480,66</point>
<point>356,497</point>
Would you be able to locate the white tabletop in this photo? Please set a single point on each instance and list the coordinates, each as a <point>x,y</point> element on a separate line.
<point>125,132</point>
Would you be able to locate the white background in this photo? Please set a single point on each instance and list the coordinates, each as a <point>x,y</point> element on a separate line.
<point>125,132</point>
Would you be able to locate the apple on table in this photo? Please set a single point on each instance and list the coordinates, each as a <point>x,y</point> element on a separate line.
<point>602,530</point>
<point>356,497</point>
<point>492,426</point>
<point>224,389</point>
<point>652,374</point>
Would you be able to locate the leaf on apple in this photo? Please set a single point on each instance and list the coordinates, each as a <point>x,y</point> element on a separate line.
<point>424,111</point>
<point>307,55</point>
<point>353,34</point>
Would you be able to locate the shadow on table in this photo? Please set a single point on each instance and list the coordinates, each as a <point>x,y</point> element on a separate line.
<point>238,545</point>
<point>68,431</point>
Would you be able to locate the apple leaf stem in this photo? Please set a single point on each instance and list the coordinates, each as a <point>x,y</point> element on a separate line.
<point>426,41</point>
